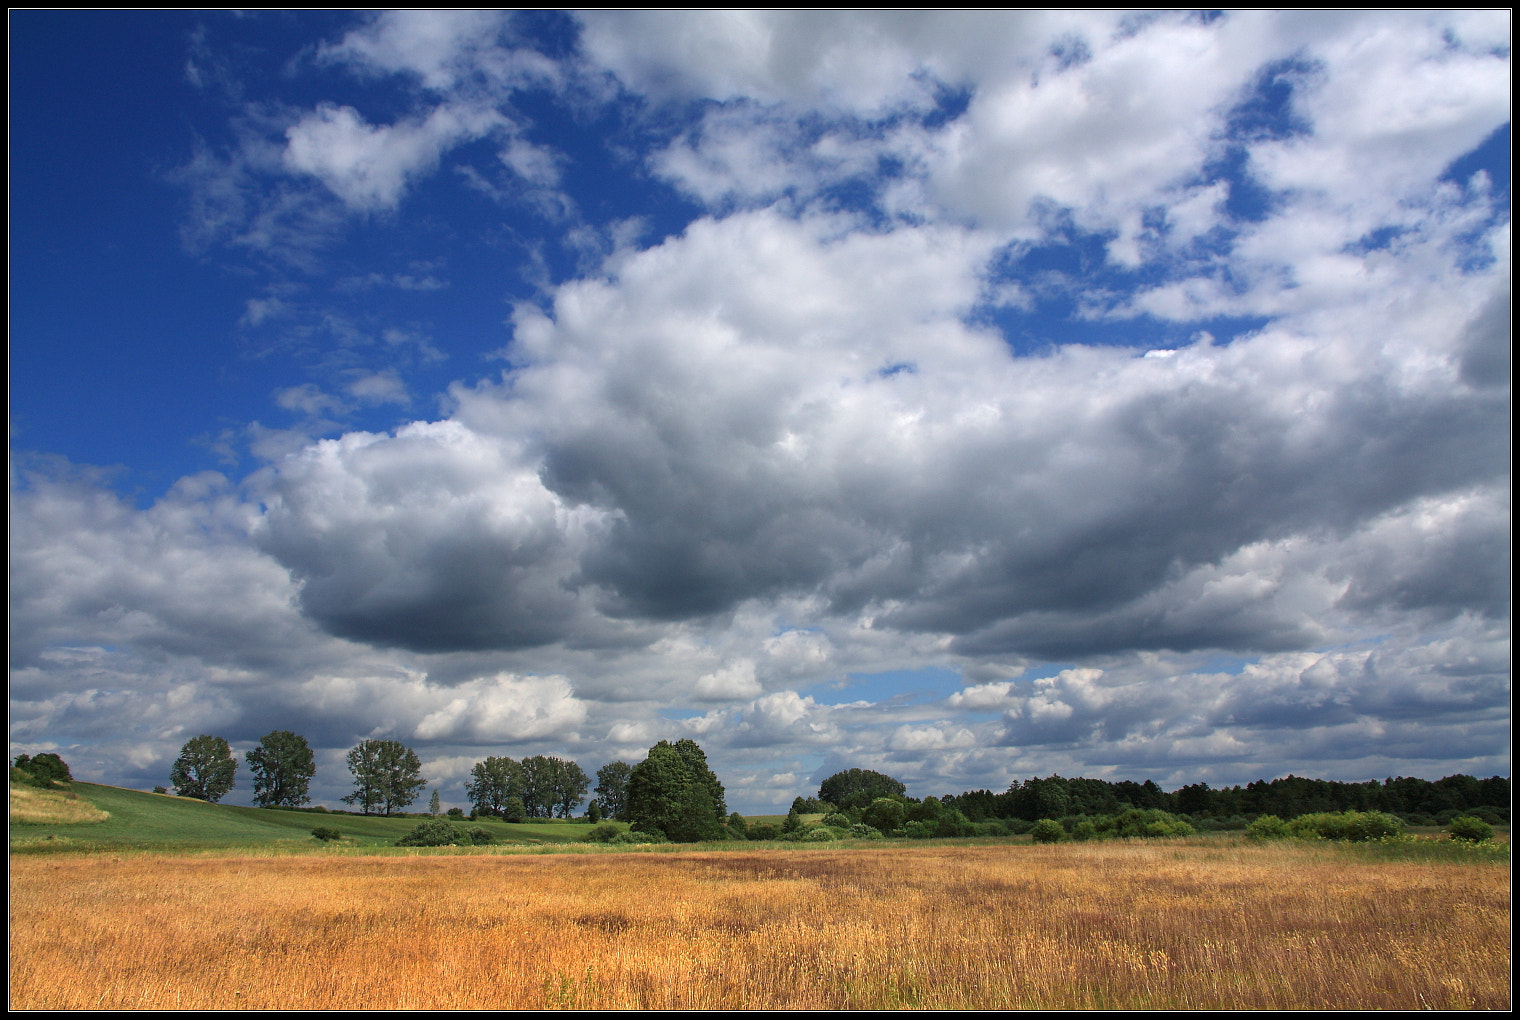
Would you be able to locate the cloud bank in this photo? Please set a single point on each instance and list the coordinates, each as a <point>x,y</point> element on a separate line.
<point>1147,375</point>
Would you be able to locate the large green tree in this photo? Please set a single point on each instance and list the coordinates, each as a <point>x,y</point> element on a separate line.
<point>492,783</point>
<point>204,769</point>
<point>673,792</point>
<point>387,776</point>
<point>856,788</point>
<point>612,789</point>
<point>282,767</point>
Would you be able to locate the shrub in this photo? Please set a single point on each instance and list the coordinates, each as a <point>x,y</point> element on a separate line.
<point>836,820</point>
<point>1084,830</point>
<point>1470,829</point>
<point>764,830</point>
<point>458,814</point>
<point>1268,827</point>
<point>860,830</point>
<point>1352,826</point>
<point>436,832</point>
<point>604,833</point>
<point>1047,830</point>
<point>481,837</point>
<point>634,837</point>
<point>821,834</point>
<point>1148,823</point>
<point>325,834</point>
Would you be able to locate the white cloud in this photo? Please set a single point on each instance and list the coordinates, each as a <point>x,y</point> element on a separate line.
<point>368,166</point>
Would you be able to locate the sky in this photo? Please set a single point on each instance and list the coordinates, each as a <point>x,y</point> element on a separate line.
<point>963,396</point>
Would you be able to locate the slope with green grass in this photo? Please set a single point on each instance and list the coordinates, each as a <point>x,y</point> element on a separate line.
<point>153,821</point>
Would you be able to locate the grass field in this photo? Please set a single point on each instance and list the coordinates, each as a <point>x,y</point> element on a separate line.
<point>1189,924</point>
<point>171,903</point>
<point>150,821</point>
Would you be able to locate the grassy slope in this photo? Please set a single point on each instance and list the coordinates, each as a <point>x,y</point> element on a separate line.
<point>157,821</point>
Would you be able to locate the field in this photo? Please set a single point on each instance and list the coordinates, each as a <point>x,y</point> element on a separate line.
<point>149,821</point>
<point>1199,923</point>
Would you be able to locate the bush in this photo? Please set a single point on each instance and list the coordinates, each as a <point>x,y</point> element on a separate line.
<point>764,830</point>
<point>1084,830</point>
<point>1047,830</point>
<point>822,834</point>
<point>1268,827</point>
<point>1352,826</point>
<point>325,834</point>
<point>633,837</point>
<point>1469,829</point>
<point>860,830</point>
<point>435,833</point>
<point>1148,823</point>
<point>604,833</point>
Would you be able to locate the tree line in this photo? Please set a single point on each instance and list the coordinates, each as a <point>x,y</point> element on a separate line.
<point>1419,801</point>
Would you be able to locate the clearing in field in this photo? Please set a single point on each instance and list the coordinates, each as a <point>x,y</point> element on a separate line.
<point>1116,925</point>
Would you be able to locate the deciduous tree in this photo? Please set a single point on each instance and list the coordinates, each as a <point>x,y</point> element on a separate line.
<point>387,775</point>
<point>205,769</point>
<point>282,767</point>
<point>673,792</point>
<point>612,789</point>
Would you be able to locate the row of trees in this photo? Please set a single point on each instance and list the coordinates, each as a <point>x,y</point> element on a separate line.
<point>536,787</point>
<point>387,777</point>
<point>282,765</point>
<point>1056,797</point>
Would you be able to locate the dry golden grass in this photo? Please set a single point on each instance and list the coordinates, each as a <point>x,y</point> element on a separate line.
<point>1179,925</point>
<point>33,806</point>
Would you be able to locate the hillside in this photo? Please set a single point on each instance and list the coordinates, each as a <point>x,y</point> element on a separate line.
<point>153,821</point>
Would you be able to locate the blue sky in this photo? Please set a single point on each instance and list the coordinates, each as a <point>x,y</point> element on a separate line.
<point>964,396</point>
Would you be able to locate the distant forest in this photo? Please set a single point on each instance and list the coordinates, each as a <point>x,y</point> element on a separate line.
<point>1417,801</point>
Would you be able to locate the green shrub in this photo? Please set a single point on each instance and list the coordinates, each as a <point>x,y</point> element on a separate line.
<point>1470,829</point>
<point>1084,830</point>
<point>604,833</point>
<point>764,831</point>
<point>1146,823</point>
<point>1268,827</point>
<point>436,832</point>
<point>1351,826</point>
<point>820,834</point>
<point>634,837</point>
<point>1047,830</point>
<point>325,834</point>
<point>860,830</point>
<point>836,820</point>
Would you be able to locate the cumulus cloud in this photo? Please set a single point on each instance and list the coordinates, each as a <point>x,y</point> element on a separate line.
<point>824,424</point>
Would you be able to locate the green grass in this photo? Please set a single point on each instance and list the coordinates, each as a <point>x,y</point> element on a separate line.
<point>152,821</point>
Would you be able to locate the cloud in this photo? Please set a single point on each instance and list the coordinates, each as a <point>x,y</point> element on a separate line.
<point>369,166</point>
<point>842,346</point>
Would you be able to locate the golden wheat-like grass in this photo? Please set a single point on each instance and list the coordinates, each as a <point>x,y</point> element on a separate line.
<point>34,806</point>
<point>1179,925</point>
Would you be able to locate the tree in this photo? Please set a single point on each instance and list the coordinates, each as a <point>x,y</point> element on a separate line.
<point>204,769</point>
<point>856,788</point>
<point>674,793</point>
<point>282,767</point>
<point>612,789</point>
<point>387,775</point>
<point>435,807</point>
<point>44,769</point>
<point>492,783</point>
<point>570,786</point>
